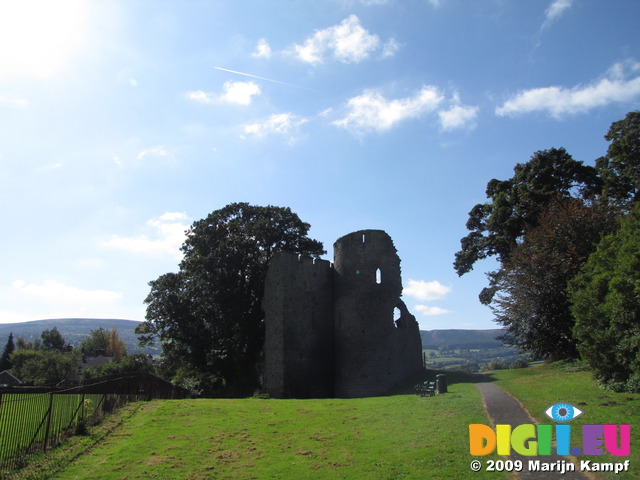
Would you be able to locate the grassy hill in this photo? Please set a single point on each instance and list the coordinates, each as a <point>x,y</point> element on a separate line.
<point>74,330</point>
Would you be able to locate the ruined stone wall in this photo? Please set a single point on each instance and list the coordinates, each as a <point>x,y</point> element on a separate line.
<point>331,331</point>
<point>373,352</point>
<point>298,305</point>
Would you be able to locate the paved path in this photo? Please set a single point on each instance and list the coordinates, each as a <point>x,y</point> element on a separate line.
<point>503,409</point>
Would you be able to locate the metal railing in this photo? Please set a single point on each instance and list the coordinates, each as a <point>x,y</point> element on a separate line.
<point>36,419</point>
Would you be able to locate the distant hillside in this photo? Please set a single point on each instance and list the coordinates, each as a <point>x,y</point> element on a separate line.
<point>456,339</point>
<point>74,330</point>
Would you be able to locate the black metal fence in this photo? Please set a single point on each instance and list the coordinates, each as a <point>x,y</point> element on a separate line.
<point>35,419</point>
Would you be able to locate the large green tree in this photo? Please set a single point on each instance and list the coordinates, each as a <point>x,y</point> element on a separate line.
<point>514,205</point>
<point>532,302</point>
<point>620,167</point>
<point>208,316</point>
<point>605,299</point>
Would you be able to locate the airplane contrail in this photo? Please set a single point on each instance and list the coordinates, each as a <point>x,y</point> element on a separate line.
<point>260,78</point>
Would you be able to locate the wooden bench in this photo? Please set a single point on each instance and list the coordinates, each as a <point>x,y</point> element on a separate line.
<point>426,389</point>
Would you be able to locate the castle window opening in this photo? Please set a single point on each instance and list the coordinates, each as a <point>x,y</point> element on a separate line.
<point>378,276</point>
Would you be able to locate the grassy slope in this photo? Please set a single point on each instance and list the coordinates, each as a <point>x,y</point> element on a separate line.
<point>540,387</point>
<point>399,437</point>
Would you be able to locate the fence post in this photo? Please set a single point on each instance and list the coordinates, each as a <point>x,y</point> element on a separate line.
<point>46,434</point>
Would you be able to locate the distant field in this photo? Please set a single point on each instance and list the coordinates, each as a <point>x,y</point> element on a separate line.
<point>400,437</point>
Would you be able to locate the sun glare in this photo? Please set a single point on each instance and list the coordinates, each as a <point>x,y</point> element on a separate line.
<point>37,37</point>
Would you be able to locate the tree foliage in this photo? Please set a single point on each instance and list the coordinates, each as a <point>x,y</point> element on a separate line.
<point>5,358</point>
<point>104,342</point>
<point>532,303</point>
<point>44,367</point>
<point>53,340</point>
<point>208,316</point>
<point>606,304</point>
<point>620,167</point>
<point>497,226</point>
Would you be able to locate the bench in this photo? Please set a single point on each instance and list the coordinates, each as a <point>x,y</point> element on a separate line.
<point>426,389</point>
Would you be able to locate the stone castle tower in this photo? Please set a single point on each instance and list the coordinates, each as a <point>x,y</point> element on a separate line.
<point>330,329</point>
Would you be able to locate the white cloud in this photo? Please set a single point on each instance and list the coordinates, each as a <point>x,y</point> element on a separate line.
<point>555,10</point>
<point>458,116</point>
<point>347,42</point>
<point>157,151</point>
<point>263,50</point>
<point>58,293</point>
<point>8,101</point>
<point>239,93</point>
<point>284,124</point>
<point>431,311</point>
<point>390,48</point>
<point>169,232</point>
<point>426,291</point>
<point>372,111</point>
<point>615,87</point>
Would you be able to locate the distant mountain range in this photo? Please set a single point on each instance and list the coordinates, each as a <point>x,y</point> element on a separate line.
<point>74,330</point>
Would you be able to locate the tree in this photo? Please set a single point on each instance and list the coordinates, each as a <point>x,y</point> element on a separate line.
<point>96,343</point>
<point>115,345</point>
<point>104,342</point>
<point>605,299</point>
<point>43,367</point>
<point>53,340</point>
<point>497,226</point>
<point>5,358</point>
<point>620,167</point>
<point>208,316</point>
<point>531,301</point>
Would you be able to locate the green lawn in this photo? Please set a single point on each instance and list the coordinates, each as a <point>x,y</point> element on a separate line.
<point>394,437</point>
<point>539,387</point>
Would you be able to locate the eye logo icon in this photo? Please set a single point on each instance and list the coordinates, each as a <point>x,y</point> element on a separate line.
<point>563,412</point>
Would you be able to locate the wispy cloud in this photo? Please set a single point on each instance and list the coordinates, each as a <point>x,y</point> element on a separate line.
<point>286,125</point>
<point>9,101</point>
<point>347,42</point>
<point>555,10</point>
<point>426,291</point>
<point>371,111</point>
<point>620,84</point>
<point>431,311</point>
<point>458,116</point>
<point>59,293</point>
<point>239,93</point>
<point>168,236</point>
<point>157,151</point>
<point>263,49</point>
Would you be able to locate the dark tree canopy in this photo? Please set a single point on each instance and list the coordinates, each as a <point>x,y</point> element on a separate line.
<point>532,304</point>
<point>620,167</point>
<point>53,340</point>
<point>5,358</point>
<point>496,226</point>
<point>208,316</point>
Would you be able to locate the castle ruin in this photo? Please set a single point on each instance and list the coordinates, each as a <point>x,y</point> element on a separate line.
<point>341,329</point>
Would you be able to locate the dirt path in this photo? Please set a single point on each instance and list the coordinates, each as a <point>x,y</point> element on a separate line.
<point>503,409</point>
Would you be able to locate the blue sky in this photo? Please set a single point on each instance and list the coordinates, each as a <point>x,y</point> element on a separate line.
<point>123,122</point>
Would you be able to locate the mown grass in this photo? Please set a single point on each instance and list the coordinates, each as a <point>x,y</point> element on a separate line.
<point>393,437</point>
<point>539,387</point>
